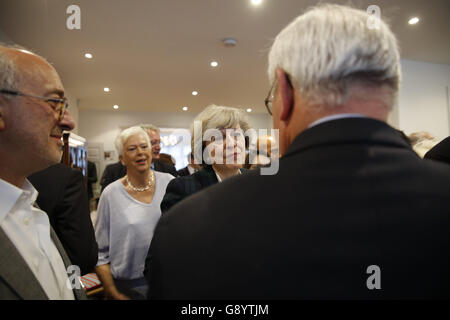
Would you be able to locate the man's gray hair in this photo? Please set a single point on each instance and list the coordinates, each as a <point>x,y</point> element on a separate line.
<point>330,48</point>
<point>126,134</point>
<point>149,127</point>
<point>10,75</point>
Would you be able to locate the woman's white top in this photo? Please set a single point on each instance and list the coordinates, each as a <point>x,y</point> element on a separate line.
<point>124,227</point>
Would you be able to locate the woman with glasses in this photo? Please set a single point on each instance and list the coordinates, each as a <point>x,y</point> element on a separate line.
<point>127,214</point>
<point>222,155</point>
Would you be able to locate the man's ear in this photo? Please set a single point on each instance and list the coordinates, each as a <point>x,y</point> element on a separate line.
<point>287,94</point>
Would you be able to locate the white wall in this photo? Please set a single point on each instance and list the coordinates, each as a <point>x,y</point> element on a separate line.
<point>74,111</point>
<point>423,104</point>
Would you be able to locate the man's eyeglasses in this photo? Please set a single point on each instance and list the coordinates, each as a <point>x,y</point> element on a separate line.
<point>58,105</point>
<point>270,96</point>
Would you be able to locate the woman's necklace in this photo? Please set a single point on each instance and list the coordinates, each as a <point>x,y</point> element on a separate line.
<point>149,184</point>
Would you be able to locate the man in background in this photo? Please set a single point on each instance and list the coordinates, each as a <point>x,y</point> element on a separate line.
<point>63,196</point>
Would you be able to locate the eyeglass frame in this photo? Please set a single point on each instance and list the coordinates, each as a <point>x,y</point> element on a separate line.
<point>63,103</point>
<point>271,95</point>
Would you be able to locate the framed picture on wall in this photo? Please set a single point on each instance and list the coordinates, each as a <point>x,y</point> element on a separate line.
<point>109,155</point>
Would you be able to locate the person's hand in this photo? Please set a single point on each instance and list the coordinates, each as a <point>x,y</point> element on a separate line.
<point>115,295</point>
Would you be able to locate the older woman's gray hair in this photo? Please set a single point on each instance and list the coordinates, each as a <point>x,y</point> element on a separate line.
<point>126,134</point>
<point>331,48</point>
<point>216,117</point>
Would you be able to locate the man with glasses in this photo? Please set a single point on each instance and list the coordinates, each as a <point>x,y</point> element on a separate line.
<point>155,140</point>
<point>33,116</point>
<point>353,212</point>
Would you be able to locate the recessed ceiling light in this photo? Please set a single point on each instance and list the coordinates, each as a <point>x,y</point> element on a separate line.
<point>214,64</point>
<point>256,2</point>
<point>185,108</point>
<point>249,110</point>
<point>88,55</point>
<point>106,89</point>
<point>195,93</point>
<point>116,106</point>
<point>413,20</point>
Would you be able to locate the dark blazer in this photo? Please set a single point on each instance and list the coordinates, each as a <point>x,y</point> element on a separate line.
<point>63,196</point>
<point>182,187</point>
<point>112,173</point>
<point>165,167</point>
<point>440,152</point>
<point>349,194</point>
<point>183,172</point>
<point>91,178</point>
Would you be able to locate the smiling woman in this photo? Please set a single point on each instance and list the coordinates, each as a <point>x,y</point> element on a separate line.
<point>128,211</point>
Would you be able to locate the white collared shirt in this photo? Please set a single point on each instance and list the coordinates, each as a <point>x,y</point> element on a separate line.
<point>28,228</point>
<point>336,117</point>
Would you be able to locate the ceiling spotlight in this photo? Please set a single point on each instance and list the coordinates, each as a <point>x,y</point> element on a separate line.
<point>214,64</point>
<point>88,55</point>
<point>256,2</point>
<point>185,108</point>
<point>195,93</point>
<point>249,110</point>
<point>413,20</point>
<point>116,106</point>
<point>106,89</point>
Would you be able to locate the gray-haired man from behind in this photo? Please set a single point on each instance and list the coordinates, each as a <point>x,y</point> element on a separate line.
<point>33,263</point>
<point>353,212</point>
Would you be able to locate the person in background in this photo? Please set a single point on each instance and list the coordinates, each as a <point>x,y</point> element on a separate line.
<point>265,146</point>
<point>227,163</point>
<point>91,179</point>
<point>63,196</point>
<point>190,168</point>
<point>422,142</point>
<point>33,116</point>
<point>167,158</point>
<point>155,140</point>
<point>352,213</point>
<point>127,214</point>
<point>440,152</point>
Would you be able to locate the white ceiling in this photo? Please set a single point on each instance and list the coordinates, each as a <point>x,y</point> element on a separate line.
<point>154,53</point>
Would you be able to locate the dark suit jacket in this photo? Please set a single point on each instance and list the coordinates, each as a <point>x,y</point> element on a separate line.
<point>63,196</point>
<point>183,172</point>
<point>112,173</point>
<point>440,152</point>
<point>349,194</point>
<point>91,177</point>
<point>165,167</point>
<point>182,187</point>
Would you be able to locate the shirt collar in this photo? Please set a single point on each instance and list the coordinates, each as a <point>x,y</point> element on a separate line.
<point>336,117</point>
<point>10,195</point>
<point>218,177</point>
